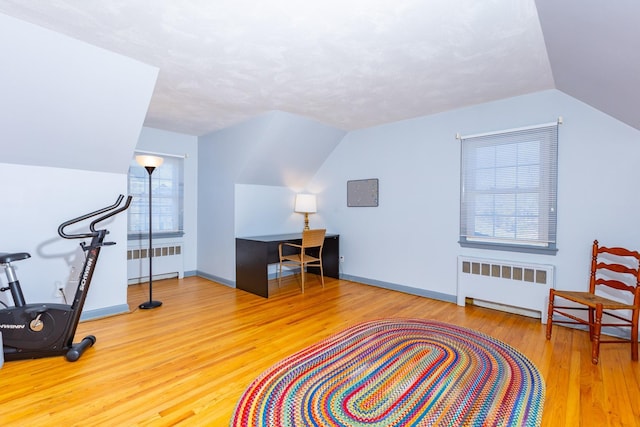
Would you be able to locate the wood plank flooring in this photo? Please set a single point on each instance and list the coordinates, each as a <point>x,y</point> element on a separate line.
<point>188,362</point>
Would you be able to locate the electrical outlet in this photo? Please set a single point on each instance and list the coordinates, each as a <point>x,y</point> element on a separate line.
<point>59,290</point>
<point>341,258</point>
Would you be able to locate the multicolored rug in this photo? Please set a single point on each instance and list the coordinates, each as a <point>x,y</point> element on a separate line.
<point>397,372</point>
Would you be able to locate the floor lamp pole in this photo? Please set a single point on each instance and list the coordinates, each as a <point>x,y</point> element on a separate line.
<point>150,168</point>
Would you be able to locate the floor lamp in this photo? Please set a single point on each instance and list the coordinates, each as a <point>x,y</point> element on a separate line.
<point>150,163</point>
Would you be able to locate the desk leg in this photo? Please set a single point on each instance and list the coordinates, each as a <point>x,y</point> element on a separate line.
<point>251,267</point>
<point>330,258</point>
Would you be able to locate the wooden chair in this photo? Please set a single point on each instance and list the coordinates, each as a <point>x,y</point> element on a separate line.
<point>615,272</point>
<point>311,240</point>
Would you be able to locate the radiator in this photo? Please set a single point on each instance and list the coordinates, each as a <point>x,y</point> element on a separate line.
<point>167,262</point>
<point>506,284</point>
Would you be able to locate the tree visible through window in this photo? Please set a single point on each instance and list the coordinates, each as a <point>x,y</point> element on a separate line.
<point>508,189</point>
<point>167,199</point>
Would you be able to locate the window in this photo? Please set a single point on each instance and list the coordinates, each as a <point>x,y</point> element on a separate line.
<point>508,190</point>
<point>167,199</point>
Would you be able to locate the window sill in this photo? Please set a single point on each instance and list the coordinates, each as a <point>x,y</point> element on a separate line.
<point>509,248</point>
<point>156,235</point>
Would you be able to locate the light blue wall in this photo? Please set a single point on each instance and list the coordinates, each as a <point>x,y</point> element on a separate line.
<point>221,158</point>
<point>36,201</point>
<point>411,238</point>
<point>409,241</point>
<point>71,116</point>
<point>278,152</point>
<point>261,209</point>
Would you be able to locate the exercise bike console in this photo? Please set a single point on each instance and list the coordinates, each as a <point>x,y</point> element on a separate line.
<point>31,331</point>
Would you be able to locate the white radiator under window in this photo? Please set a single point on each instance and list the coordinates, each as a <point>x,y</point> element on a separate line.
<point>505,284</point>
<point>167,262</point>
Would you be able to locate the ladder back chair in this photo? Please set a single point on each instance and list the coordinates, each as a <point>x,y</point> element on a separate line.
<point>615,275</point>
<point>313,241</point>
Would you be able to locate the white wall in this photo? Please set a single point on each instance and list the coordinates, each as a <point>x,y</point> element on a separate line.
<point>164,142</point>
<point>411,238</point>
<point>36,200</point>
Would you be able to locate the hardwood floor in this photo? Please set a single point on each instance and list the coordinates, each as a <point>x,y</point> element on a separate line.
<point>188,362</point>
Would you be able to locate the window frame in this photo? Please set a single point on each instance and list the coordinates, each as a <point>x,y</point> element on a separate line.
<point>170,200</point>
<point>545,218</point>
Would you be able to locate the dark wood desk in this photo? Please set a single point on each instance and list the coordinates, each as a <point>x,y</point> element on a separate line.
<point>254,254</point>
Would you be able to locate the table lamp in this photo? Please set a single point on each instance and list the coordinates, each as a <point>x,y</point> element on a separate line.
<point>306,204</point>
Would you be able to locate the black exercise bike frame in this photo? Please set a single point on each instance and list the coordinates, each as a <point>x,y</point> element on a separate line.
<point>67,347</point>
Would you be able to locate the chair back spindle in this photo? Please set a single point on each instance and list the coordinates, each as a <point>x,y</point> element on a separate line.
<point>311,239</point>
<point>613,299</point>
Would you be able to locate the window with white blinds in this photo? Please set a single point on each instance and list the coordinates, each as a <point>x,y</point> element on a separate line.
<point>167,185</point>
<point>508,189</point>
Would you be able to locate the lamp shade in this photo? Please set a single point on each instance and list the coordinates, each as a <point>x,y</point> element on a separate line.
<point>149,161</point>
<point>305,203</point>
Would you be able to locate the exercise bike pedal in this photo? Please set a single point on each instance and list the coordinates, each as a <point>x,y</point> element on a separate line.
<point>78,349</point>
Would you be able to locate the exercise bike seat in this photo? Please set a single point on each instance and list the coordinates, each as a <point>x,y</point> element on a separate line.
<point>6,258</point>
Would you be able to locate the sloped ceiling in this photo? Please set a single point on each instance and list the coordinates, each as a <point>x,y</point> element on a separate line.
<point>594,50</point>
<point>356,63</point>
<point>295,146</point>
<point>68,104</point>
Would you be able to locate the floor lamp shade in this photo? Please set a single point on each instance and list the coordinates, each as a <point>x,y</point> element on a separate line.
<point>150,163</point>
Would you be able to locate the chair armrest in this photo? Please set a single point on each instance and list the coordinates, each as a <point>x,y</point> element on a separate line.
<point>290,244</point>
<point>281,244</point>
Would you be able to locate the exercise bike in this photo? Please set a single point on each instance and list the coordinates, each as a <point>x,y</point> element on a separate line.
<point>31,331</point>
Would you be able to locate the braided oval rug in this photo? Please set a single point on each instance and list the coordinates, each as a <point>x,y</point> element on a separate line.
<point>397,372</point>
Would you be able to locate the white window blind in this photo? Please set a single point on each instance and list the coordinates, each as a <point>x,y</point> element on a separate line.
<point>508,189</point>
<point>167,184</point>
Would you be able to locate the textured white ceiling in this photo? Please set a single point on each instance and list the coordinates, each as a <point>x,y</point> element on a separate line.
<point>347,63</point>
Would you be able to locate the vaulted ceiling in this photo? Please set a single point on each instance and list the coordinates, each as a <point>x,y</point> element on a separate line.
<point>357,63</point>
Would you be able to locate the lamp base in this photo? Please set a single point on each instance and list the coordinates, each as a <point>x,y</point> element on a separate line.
<point>306,221</point>
<point>150,304</point>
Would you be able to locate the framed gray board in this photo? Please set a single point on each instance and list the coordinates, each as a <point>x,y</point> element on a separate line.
<point>362,192</point>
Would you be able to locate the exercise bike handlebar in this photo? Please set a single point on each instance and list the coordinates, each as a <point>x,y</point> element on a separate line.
<point>111,213</point>
<point>111,210</point>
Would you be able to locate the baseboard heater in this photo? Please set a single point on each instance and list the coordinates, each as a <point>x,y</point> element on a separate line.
<point>167,262</point>
<point>516,287</point>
